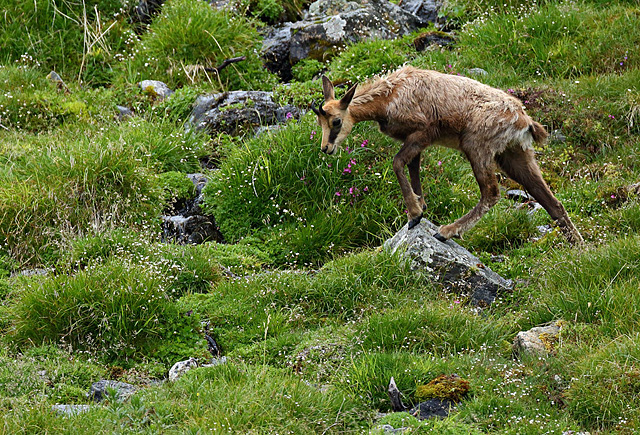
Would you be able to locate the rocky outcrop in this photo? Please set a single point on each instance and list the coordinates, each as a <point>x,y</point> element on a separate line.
<point>239,111</point>
<point>330,25</point>
<point>448,264</point>
<point>191,226</point>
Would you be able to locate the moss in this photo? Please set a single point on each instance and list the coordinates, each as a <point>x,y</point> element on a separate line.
<point>451,387</point>
<point>549,341</point>
<point>177,186</point>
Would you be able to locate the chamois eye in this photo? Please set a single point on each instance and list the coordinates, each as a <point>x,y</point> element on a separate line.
<point>337,122</point>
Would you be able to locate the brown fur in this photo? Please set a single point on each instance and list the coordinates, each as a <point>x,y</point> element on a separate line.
<point>422,108</point>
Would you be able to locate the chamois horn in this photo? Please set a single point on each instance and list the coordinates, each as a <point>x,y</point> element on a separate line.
<point>318,110</point>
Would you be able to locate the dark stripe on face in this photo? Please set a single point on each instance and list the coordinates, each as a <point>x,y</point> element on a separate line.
<point>333,134</point>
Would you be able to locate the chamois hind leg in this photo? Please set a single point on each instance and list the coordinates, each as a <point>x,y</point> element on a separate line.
<point>521,166</point>
<point>414,175</point>
<point>409,151</point>
<point>484,171</point>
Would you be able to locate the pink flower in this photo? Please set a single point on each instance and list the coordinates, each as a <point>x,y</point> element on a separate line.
<point>439,163</point>
<point>338,194</point>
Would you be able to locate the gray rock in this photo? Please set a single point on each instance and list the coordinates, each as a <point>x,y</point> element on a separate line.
<point>190,230</point>
<point>558,136</point>
<point>31,272</point>
<point>425,10</point>
<point>193,208</point>
<point>182,367</point>
<point>235,112</point>
<point>123,391</point>
<point>155,88</point>
<point>216,362</point>
<point>71,410</point>
<point>540,340</point>
<point>448,263</point>
<point>432,408</point>
<point>477,72</point>
<point>519,195</point>
<point>387,428</point>
<point>330,25</point>
<point>191,226</point>
<point>124,113</point>
<point>146,10</point>
<point>432,40</point>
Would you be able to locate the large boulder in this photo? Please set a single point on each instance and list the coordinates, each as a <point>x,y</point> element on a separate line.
<point>330,25</point>
<point>448,264</point>
<point>235,112</point>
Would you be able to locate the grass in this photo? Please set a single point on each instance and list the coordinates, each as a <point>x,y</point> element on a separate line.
<point>313,318</point>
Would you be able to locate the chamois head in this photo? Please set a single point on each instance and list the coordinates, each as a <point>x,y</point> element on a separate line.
<point>334,117</point>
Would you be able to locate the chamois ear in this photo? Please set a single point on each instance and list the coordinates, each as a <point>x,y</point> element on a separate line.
<point>327,89</point>
<point>346,100</point>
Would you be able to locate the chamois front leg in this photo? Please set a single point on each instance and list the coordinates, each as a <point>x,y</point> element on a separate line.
<point>414,176</point>
<point>484,172</point>
<point>409,151</point>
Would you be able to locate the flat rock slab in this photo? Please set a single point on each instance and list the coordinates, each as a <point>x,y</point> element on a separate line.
<point>448,264</point>
<point>123,391</point>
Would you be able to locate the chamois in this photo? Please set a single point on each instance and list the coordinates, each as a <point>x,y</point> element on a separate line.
<point>423,108</point>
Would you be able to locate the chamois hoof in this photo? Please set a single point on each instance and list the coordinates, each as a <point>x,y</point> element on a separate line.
<point>415,221</point>
<point>439,237</point>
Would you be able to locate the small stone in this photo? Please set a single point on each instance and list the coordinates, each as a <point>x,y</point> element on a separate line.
<point>181,367</point>
<point>156,89</point>
<point>71,410</point>
<point>216,362</point>
<point>540,340</point>
<point>124,113</point>
<point>123,391</point>
<point>31,272</point>
<point>432,408</point>
<point>519,195</point>
<point>558,136</point>
<point>477,72</point>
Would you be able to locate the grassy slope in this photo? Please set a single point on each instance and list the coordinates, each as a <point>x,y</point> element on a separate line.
<point>312,351</point>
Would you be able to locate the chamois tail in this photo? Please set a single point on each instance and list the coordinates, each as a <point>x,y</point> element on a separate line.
<point>538,132</point>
